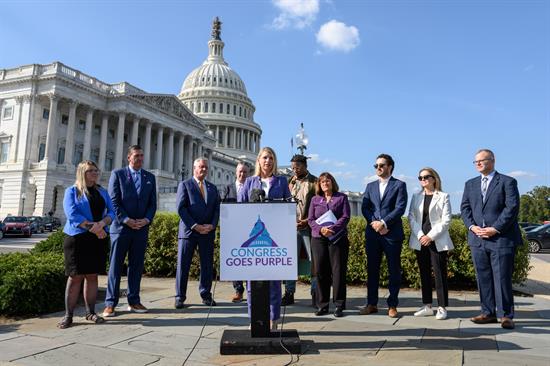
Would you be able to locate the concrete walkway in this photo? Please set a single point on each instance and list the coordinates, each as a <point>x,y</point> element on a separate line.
<point>165,336</point>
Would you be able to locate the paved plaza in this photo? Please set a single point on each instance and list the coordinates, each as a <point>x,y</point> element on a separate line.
<point>165,336</point>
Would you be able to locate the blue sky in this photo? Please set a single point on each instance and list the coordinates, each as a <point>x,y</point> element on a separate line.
<point>428,82</point>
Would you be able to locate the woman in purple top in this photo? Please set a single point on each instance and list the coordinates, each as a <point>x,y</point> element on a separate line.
<point>329,243</point>
<point>265,182</point>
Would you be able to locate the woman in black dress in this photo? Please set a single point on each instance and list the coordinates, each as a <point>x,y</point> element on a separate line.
<point>89,211</point>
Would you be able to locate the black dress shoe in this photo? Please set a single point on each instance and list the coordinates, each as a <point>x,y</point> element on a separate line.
<point>338,312</point>
<point>209,302</point>
<point>507,323</point>
<point>322,311</point>
<point>287,299</point>
<point>179,304</point>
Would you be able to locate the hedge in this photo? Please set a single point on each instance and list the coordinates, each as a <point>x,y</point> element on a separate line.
<point>161,254</point>
<point>31,283</point>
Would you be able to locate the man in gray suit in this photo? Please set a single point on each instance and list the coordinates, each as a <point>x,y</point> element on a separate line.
<point>230,195</point>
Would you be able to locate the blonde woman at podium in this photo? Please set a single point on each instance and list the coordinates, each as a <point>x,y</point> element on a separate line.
<point>265,185</point>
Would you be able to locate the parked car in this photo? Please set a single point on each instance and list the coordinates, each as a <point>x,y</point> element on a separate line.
<point>525,225</point>
<point>17,225</point>
<point>37,224</point>
<point>539,238</point>
<point>1,230</point>
<point>51,223</point>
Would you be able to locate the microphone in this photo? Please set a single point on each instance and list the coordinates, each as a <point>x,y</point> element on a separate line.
<point>257,195</point>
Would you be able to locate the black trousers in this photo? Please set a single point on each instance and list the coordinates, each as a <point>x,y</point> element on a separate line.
<point>428,257</point>
<point>331,264</point>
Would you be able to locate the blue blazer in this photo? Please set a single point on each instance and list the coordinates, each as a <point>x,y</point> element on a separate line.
<point>389,208</point>
<point>500,210</point>
<point>193,210</point>
<point>77,210</point>
<point>278,188</point>
<point>127,203</point>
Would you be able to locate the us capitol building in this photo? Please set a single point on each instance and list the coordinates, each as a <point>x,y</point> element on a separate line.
<point>54,116</point>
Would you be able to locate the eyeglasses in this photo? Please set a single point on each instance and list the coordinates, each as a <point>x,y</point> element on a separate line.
<point>424,177</point>
<point>376,166</point>
<point>481,161</point>
<point>92,171</point>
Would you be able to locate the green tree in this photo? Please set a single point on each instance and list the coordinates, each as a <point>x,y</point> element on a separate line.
<point>535,205</point>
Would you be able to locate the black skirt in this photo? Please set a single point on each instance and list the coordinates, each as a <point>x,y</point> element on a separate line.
<point>85,254</point>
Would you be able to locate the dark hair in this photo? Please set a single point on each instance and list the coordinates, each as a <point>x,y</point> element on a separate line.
<point>133,148</point>
<point>298,158</point>
<point>319,191</point>
<point>389,160</point>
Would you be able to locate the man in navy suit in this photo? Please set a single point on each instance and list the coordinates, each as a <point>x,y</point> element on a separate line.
<point>134,194</point>
<point>489,209</point>
<point>384,202</point>
<point>198,205</point>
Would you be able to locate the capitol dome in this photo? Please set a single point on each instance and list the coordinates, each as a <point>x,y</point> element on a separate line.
<point>216,93</point>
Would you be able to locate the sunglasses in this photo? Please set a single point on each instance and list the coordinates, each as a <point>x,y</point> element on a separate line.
<point>376,166</point>
<point>424,177</point>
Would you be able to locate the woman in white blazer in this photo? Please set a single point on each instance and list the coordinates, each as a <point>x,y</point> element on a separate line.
<point>429,219</point>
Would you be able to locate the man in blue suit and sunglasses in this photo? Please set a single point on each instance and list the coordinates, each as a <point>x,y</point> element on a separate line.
<point>384,202</point>
<point>198,205</point>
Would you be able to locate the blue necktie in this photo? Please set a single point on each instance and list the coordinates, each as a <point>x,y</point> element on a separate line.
<point>137,182</point>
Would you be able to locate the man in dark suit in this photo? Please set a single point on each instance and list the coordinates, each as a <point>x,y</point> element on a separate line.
<point>198,205</point>
<point>134,194</point>
<point>384,202</point>
<point>230,195</point>
<point>489,209</point>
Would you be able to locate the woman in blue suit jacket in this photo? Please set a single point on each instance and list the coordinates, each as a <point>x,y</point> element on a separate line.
<point>274,187</point>
<point>89,211</point>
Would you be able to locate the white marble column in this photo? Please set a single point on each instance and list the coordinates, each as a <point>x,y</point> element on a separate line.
<point>135,131</point>
<point>179,152</point>
<point>226,136</point>
<point>119,140</point>
<point>88,134</point>
<point>189,156</point>
<point>234,137</point>
<point>69,142</point>
<point>259,143</point>
<point>147,146</point>
<point>217,135</point>
<point>171,151</point>
<point>241,145</point>
<point>51,132</point>
<point>12,156</point>
<point>103,141</point>
<point>158,160</point>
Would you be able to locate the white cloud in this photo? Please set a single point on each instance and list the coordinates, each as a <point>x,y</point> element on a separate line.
<point>369,178</point>
<point>313,157</point>
<point>295,13</point>
<point>338,36</point>
<point>521,174</point>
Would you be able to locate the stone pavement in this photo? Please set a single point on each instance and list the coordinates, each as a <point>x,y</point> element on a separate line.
<point>165,336</point>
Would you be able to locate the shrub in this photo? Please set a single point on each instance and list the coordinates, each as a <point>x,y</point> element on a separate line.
<point>162,250</point>
<point>31,283</point>
<point>52,244</point>
<point>461,270</point>
<point>161,255</point>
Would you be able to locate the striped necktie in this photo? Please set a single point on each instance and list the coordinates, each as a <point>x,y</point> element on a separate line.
<point>484,185</point>
<point>137,182</point>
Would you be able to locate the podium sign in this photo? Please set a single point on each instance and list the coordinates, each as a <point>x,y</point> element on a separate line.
<point>258,241</point>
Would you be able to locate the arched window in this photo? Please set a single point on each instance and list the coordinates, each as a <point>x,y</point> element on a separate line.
<point>206,107</point>
<point>234,110</point>
<point>198,107</point>
<point>240,111</point>
<point>213,107</point>
<point>228,109</point>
